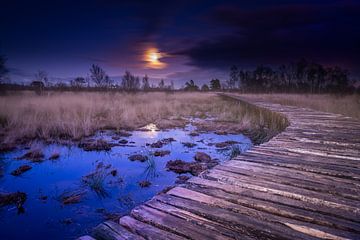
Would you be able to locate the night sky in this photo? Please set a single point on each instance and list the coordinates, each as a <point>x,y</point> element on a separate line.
<point>196,40</point>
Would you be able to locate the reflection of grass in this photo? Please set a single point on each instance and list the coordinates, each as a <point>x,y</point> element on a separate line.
<point>96,182</point>
<point>126,201</point>
<point>2,167</point>
<point>150,170</point>
<point>262,124</point>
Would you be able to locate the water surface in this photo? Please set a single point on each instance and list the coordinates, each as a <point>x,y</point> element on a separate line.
<point>45,216</point>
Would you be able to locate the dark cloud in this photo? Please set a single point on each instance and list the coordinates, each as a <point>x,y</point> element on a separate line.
<point>65,37</point>
<point>327,33</point>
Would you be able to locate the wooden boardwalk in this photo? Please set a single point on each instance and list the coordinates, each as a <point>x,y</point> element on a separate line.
<point>302,184</point>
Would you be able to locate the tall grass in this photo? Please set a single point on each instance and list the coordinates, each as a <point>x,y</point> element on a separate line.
<point>70,115</point>
<point>347,105</point>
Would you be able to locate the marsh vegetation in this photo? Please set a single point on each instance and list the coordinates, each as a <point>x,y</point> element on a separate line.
<point>59,116</point>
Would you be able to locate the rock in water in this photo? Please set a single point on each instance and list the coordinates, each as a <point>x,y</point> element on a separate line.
<point>97,145</point>
<point>35,155</point>
<point>179,166</point>
<point>17,198</point>
<point>202,157</point>
<point>138,157</point>
<point>144,184</point>
<point>189,144</point>
<point>20,170</point>
<point>161,153</point>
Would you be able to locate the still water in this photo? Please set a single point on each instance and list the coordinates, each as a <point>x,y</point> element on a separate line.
<point>45,215</point>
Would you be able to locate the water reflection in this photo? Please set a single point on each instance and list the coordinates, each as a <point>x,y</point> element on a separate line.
<point>70,195</point>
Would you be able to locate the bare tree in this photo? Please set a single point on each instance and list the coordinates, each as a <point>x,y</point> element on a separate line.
<point>205,88</point>
<point>215,84</point>
<point>145,83</point>
<point>99,76</point>
<point>161,84</point>
<point>130,82</point>
<point>42,76</point>
<point>3,69</point>
<point>38,86</point>
<point>234,77</point>
<point>191,86</point>
<point>78,82</point>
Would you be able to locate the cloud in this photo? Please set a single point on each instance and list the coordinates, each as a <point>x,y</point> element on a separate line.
<point>273,35</point>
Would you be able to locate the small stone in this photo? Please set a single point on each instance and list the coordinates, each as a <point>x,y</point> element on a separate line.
<point>35,155</point>
<point>17,198</point>
<point>113,172</point>
<point>189,144</point>
<point>144,184</point>
<point>97,145</point>
<point>43,198</point>
<point>161,153</point>
<point>161,143</point>
<point>225,144</point>
<point>221,133</point>
<point>202,157</point>
<point>72,198</point>
<point>20,170</point>
<point>54,156</point>
<point>179,166</point>
<point>138,157</point>
<point>67,221</point>
<point>123,141</point>
<point>115,137</point>
<point>194,134</point>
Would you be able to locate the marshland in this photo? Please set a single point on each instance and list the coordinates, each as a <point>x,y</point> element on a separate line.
<point>79,158</point>
<point>182,119</point>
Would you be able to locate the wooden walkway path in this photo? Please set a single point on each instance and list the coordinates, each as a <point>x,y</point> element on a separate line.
<point>302,184</point>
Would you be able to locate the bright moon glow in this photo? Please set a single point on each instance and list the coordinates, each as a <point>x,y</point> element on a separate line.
<point>152,58</point>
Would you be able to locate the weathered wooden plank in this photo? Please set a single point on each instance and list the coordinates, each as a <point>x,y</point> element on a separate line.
<point>330,149</point>
<point>275,198</point>
<point>172,224</point>
<point>286,190</point>
<point>292,173</point>
<point>313,151</point>
<point>295,181</point>
<point>280,208</point>
<point>222,231</point>
<point>112,231</point>
<point>255,214</point>
<point>239,222</point>
<point>300,158</point>
<point>303,166</point>
<point>147,231</point>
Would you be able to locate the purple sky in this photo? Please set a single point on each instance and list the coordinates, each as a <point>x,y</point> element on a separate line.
<point>198,40</point>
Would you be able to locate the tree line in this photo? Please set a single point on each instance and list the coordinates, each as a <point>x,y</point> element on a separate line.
<point>97,79</point>
<point>300,76</point>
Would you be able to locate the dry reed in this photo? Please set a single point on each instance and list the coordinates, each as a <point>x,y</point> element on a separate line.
<point>26,116</point>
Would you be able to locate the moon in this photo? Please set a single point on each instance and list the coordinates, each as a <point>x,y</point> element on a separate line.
<point>153,57</point>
